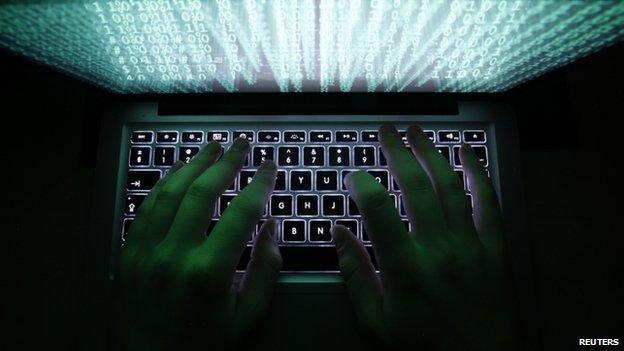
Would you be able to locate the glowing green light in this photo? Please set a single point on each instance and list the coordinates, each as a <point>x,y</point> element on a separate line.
<point>140,46</point>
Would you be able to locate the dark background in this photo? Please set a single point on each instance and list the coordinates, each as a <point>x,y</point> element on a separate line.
<point>570,135</point>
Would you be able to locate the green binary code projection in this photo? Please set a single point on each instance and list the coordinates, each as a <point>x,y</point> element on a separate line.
<point>138,46</point>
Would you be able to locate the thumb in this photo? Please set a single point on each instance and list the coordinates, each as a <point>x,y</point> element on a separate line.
<point>359,276</point>
<point>260,277</point>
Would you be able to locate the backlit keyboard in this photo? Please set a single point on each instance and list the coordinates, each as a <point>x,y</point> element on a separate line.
<point>309,195</point>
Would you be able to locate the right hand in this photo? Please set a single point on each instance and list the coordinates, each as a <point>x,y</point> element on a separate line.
<point>444,284</point>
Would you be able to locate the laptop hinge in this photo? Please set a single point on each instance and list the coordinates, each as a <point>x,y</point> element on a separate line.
<point>310,104</point>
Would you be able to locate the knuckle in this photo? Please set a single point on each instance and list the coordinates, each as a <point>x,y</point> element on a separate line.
<point>201,189</point>
<point>168,191</point>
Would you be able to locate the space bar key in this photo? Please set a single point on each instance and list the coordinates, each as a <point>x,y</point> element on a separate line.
<point>309,259</point>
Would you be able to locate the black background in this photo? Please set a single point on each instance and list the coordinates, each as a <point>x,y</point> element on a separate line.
<point>571,141</point>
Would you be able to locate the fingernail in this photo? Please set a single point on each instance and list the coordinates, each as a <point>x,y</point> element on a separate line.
<point>240,144</point>
<point>467,148</point>
<point>415,132</point>
<point>388,129</point>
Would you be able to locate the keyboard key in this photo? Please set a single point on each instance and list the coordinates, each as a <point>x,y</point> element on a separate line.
<point>430,134</point>
<point>224,202</point>
<point>344,175</point>
<point>164,156</point>
<point>307,205</point>
<point>294,137</point>
<point>338,156</point>
<point>479,150</point>
<point>139,156</point>
<point>293,231</point>
<point>246,134</point>
<point>482,155</point>
<point>395,185</point>
<point>232,186</point>
<point>407,225</point>
<point>365,237</point>
<point>245,178</point>
<point>352,224</point>
<point>460,175</point>
<point>193,137</point>
<point>268,137</point>
<point>167,137</point>
<point>187,153</point>
<point>382,158</point>
<point>298,258</point>
<point>444,151</point>
<point>142,180</point>
<point>326,180</point>
<point>126,228</point>
<point>262,153</point>
<point>259,226</point>
<point>474,136</point>
<point>133,201</point>
<point>281,205</point>
<point>300,180</point>
<point>255,232</point>
<point>346,136</point>
<point>402,206</point>
<point>220,136</point>
<point>333,205</point>
<point>288,156</point>
<point>448,136</point>
<point>370,136</point>
<point>364,155</point>
<point>313,156</point>
<point>211,226</point>
<point>280,181</point>
<point>381,177</point>
<point>403,135</point>
<point>320,136</point>
<point>142,137</point>
<point>394,199</point>
<point>319,231</point>
<point>353,209</point>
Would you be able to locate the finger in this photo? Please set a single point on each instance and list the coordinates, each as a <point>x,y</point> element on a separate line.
<point>228,238</point>
<point>487,215</point>
<point>170,195</point>
<point>447,185</point>
<point>382,222</point>
<point>195,210</point>
<point>359,275</point>
<point>420,202</point>
<point>260,277</point>
<point>142,218</point>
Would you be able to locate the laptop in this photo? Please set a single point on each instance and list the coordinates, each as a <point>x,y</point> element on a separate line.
<point>307,83</point>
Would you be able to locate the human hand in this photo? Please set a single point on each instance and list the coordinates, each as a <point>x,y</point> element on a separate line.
<point>174,286</point>
<point>444,284</point>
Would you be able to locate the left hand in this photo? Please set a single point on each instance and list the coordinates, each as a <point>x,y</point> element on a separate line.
<point>174,287</point>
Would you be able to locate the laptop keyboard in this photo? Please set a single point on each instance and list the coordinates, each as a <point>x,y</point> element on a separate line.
<point>309,195</point>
